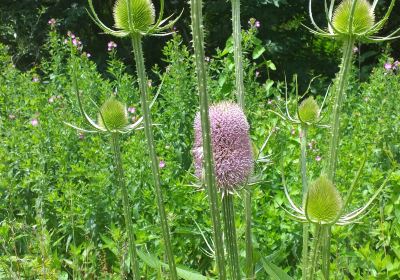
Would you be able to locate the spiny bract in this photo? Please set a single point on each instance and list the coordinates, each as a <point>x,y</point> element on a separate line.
<point>363,20</point>
<point>233,159</point>
<point>324,202</point>
<point>113,115</point>
<point>309,110</point>
<point>142,15</point>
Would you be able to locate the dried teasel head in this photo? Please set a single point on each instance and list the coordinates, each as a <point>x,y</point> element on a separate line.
<point>308,111</point>
<point>231,147</point>
<point>324,203</point>
<point>363,17</point>
<point>113,115</point>
<point>142,15</point>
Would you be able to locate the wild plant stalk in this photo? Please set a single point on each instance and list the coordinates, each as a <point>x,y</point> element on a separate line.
<point>142,77</point>
<point>119,175</point>
<point>306,226</point>
<point>209,177</point>
<point>240,97</point>
<point>228,212</point>
<point>340,89</point>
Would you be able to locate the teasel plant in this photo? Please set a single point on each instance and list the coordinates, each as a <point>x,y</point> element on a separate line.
<point>240,98</point>
<point>233,165</point>
<point>135,19</point>
<point>308,114</point>
<point>349,22</point>
<point>112,120</point>
<point>206,152</point>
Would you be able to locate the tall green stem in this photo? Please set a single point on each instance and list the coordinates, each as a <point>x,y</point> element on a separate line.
<point>340,89</point>
<point>240,97</point>
<point>228,212</point>
<point>237,43</point>
<point>209,178</point>
<point>306,226</point>
<point>315,249</point>
<point>119,174</point>
<point>140,68</point>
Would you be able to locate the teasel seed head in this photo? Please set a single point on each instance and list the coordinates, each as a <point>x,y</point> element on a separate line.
<point>324,202</point>
<point>309,110</point>
<point>363,19</point>
<point>142,15</point>
<point>113,115</point>
<point>231,147</point>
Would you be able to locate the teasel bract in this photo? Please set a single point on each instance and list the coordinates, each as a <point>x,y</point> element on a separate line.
<point>135,19</point>
<point>349,22</point>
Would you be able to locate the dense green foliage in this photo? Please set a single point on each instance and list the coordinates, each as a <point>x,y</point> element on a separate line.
<point>61,216</point>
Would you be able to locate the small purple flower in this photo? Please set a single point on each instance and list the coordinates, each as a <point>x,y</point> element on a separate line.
<point>396,65</point>
<point>318,158</point>
<point>81,136</point>
<point>35,79</point>
<point>388,66</point>
<point>70,34</point>
<point>34,122</point>
<point>355,50</point>
<point>132,110</point>
<point>52,22</point>
<point>11,117</point>
<point>207,59</point>
<point>257,74</point>
<point>161,164</point>
<point>111,45</point>
<point>232,152</point>
<point>270,101</point>
<point>257,24</point>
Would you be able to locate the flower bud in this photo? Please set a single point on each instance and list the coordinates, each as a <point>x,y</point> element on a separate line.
<point>230,140</point>
<point>142,15</point>
<point>363,19</point>
<point>113,115</point>
<point>309,110</point>
<point>324,202</point>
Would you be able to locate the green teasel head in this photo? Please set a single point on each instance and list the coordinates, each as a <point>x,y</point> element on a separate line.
<point>113,115</point>
<point>136,18</point>
<point>354,20</point>
<point>361,20</point>
<point>308,111</point>
<point>324,203</point>
<point>142,15</point>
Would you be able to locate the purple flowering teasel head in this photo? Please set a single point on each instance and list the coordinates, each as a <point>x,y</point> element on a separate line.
<point>231,147</point>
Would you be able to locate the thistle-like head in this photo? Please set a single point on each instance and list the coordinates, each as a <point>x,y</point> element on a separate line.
<point>113,115</point>
<point>308,111</point>
<point>230,140</point>
<point>136,17</point>
<point>363,17</point>
<point>353,19</point>
<point>324,203</point>
<point>142,15</point>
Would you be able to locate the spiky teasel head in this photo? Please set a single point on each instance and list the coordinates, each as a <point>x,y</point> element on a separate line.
<point>324,203</point>
<point>142,15</point>
<point>231,147</point>
<point>363,17</point>
<point>113,115</point>
<point>308,111</point>
<point>354,20</point>
<point>136,18</point>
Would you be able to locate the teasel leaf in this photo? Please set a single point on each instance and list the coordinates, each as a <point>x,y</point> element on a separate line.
<point>308,111</point>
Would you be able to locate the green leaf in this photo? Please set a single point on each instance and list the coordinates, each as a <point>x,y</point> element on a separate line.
<point>274,271</point>
<point>258,51</point>
<point>270,65</point>
<point>183,272</point>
